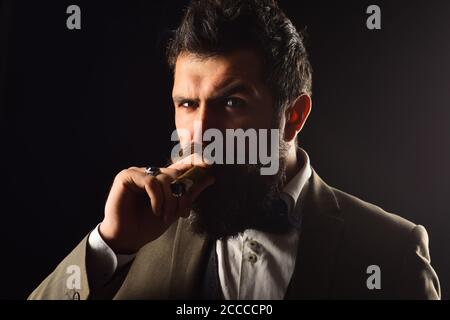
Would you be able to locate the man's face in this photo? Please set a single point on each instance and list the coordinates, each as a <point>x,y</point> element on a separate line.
<point>228,92</point>
<point>222,92</point>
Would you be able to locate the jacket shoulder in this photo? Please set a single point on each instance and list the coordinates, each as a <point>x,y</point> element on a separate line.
<point>366,219</point>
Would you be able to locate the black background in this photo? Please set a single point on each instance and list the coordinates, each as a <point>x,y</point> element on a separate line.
<point>77,106</point>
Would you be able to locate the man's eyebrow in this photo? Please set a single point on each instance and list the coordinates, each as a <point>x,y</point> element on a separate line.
<point>236,87</point>
<point>180,99</point>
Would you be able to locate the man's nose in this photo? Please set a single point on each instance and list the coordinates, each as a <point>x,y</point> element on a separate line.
<point>206,117</point>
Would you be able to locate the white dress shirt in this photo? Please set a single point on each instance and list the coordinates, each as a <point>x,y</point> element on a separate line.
<point>252,265</point>
<point>259,265</point>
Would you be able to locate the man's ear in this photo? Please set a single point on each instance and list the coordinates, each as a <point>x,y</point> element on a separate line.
<point>296,116</point>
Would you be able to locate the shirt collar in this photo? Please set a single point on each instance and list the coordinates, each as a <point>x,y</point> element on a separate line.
<point>294,191</point>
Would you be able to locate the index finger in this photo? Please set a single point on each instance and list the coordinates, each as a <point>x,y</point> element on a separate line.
<point>188,162</point>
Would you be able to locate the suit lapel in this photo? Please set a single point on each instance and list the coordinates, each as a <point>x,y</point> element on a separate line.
<point>170,268</point>
<point>189,259</point>
<point>319,238</point>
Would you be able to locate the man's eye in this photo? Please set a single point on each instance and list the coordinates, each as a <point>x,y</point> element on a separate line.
<point>187,104</point>
<point>234,102</point>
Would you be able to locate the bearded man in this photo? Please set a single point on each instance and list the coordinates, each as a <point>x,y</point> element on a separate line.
<point>238,234</point>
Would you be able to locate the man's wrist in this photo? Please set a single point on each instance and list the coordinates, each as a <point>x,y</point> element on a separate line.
<point>112,239</point>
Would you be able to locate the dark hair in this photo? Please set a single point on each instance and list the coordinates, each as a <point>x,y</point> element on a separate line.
<point>216,27</point>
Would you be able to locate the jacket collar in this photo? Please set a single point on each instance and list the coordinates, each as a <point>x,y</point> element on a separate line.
<point>318,243</point>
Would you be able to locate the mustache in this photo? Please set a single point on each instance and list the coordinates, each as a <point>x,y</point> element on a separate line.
<point>199,149</point>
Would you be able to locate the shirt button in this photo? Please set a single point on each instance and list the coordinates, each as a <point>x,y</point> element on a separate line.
<point>253,245</point>
<point>252,258</point>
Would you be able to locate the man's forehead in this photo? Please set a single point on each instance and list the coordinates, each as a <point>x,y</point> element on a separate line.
<point>219,70</point>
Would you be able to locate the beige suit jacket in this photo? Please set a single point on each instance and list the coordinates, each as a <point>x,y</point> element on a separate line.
<point>340,237</point>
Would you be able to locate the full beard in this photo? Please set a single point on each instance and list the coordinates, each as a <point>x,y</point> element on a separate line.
<point>241,198</point>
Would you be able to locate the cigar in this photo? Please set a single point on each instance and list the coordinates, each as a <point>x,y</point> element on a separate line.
<point>187,180</point>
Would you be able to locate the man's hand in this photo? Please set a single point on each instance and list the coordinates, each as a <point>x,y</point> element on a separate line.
<point>141,207</point>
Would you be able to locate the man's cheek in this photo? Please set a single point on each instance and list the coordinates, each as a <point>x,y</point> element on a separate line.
<point>185,131</point>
